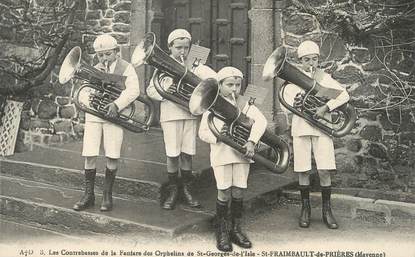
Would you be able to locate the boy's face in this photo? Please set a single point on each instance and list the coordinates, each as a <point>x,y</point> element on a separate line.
<point>309,61</point>
<point>180,47</point>
<point>107,56</point>
<point>230,86</point>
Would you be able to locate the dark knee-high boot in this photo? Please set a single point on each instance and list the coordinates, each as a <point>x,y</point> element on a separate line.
<point>304,220</point>
<point>88,199</point>
<point>106,204</point>
<point>223,242</point>
<point>328,217</point>
<point>172,192</point>
<point>237,236</point>
<point>187,179</point>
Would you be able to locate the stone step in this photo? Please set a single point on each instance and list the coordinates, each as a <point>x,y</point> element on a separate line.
<point>41,187</point>
<point>263,186</point>
<point>141,172</point>
<point>12,230</point>
<point>146,182</point>
<point>51,206</point>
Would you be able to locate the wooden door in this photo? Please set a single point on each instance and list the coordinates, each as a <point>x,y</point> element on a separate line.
<point>221,25</point>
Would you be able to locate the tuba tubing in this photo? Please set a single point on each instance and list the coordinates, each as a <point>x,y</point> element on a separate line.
<point>277,66</point>
<point>206,97</point>
<point>346,109</point>
<point>280,146</point>
<point>148,52</point>
<point>157,77</point>
<point>126,121</point>
<point>110,84</point>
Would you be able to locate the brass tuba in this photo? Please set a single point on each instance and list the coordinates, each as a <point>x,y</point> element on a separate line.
<point>206,97</point>
<point>99,89</point>
<point>342,119</point>
<point>183,80</point>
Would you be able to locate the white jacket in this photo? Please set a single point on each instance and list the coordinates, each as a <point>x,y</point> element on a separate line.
<point>221,153</point>
<point>128,95</point>
<point>299,126</point>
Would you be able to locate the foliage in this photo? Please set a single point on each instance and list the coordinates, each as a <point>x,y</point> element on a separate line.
<point>44,28</point>
<point>33,25</point>
<point>387,28</point>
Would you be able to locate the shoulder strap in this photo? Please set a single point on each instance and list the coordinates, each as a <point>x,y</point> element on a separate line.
<point>319,75</point>
<point>241,103</point>
<point>120,67</point>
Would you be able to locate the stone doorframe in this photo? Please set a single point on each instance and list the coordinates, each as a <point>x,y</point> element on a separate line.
<point>266,21</point>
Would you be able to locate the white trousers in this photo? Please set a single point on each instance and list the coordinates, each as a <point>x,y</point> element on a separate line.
<point>321,146</point>
<point>112,135</point>
<point>179,137</point>
<point>234,174</point>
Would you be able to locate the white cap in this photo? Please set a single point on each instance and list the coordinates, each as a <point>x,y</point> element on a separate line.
<point>104,43</point>
<point>307,47</point>
<point>229,71</point>
<point>178,33</point>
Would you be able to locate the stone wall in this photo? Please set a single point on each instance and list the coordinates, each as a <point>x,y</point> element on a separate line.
<point>50,116</point>
<point>378,154</point>
<point>108,17</point>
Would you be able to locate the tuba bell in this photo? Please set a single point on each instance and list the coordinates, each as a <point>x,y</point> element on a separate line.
<point>183,80</point>
<point>99,89</point>
<point>206,97</point>
<point>343,118</point>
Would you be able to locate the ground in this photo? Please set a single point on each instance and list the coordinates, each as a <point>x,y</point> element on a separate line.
<point>273,232</point>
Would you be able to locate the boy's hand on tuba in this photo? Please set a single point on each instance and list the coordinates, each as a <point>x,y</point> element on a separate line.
<point>321,111</point>
<point>250,149</point>
<point>112,110</point>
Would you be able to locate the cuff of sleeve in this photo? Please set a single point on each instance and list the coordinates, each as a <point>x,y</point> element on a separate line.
<point>330,106</point>
<point>117,104</point>
<point>253,139</point>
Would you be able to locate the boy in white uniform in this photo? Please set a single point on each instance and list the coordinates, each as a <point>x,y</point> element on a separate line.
<point>179,128</point>
<point>106,48</point>
<point>231,168</point>
<point>308,139</point>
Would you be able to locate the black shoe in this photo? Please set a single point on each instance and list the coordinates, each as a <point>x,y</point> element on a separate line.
<point>223,242</point>
<point>327,214</point>
<point>304,221</point>
<point>188,197</point>
<point>171,199</point>
<point>172,189</point>
<point>305,215</point>
<point>237,236</point>
<point>106,204</point>
<point>88,198</point>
